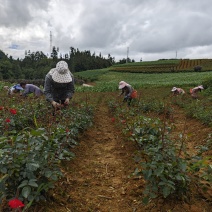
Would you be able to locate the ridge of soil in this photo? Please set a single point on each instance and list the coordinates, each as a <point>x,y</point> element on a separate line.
<point>99,178</point>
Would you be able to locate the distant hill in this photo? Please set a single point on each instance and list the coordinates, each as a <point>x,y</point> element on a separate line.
<point>165,66</point>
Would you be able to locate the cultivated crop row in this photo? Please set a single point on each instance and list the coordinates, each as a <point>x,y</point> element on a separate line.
<point>168,169</point>
<point>33,143</point>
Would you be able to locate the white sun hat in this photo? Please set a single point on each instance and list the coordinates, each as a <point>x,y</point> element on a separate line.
<point>52,71</point>
<point>122,84</point>
<point>174,89</point>
<point>61,73</point>
<point>200,87</point>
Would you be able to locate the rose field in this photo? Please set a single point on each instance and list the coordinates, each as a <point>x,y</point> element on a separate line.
<point>100,155</point>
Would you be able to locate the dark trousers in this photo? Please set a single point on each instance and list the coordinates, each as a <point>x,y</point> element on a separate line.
<point>128,100</point>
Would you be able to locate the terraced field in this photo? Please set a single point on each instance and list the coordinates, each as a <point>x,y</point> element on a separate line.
<point>161,66</point>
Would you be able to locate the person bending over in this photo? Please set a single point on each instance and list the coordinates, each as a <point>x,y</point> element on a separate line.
<point>127,90</point>
<point>30,88</point>
<point>59,85</point>
<point>194,91</point>
<point>177,91</point>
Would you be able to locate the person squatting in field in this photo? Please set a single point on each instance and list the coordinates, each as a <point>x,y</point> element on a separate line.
<point>128,92</point>
<point>15,89</point>
<point>59,85</point>
<point>177,91</point>
<point>30,88</point>
<point>194,91</point>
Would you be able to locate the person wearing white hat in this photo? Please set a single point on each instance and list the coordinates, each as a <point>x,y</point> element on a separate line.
<point>177,91</point>
<point>194,91</point>
<point>59,85</point>
<point>127,90</point>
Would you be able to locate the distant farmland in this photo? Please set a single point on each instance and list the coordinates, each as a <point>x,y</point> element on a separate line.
<point>165,66</point>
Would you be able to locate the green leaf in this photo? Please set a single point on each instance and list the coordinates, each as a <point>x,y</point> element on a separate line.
<point>152,195</point>
<point>26,191</point>
<point>170,185</point>
<point>54,177</point>
<point>147,174</point>
<point>145,200</point>
<point>178,177</point>
<point>36,133</point>
<point>24,183</point>
<point>4,170</point>
<point>159,170</point>
<point>20,138</point>
<point>182,166</point>
<point>162,183</point>
<point>184,181</point>
<point>33,184</point>
<point>32,166</point>
<point>137,130</point>
<point>48,173</point>
<point>166,191</point>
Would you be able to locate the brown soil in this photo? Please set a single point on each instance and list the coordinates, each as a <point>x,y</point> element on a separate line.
<point>100,179</point>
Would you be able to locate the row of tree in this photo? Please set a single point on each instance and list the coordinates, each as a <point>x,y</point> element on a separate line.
<point>36,65</point>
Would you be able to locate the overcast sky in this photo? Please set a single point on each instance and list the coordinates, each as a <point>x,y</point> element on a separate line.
<point>149,29</point>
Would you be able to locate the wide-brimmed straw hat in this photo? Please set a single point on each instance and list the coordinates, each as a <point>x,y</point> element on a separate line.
<point>174,89</point>
<point>122,84</point>
<point>61,73</point>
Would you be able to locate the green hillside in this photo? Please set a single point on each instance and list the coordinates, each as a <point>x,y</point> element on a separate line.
<point>161,66</point>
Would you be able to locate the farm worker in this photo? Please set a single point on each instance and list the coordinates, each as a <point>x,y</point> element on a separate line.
<point>15,89</point>
<point>127,90</point>
<point>30,88</point>
<point>177,91</point>
<point>59,85</point>
<point>194,91</point>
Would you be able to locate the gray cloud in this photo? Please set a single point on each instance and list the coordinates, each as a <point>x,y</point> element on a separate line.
<point>19,13</point>
<point>151,29</point>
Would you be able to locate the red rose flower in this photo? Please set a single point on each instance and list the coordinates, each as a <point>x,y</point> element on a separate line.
<point>113,119</point>
<point>1,108</point>
<point>13,111</point>
<point>7,120</point>
<point>15,203</point>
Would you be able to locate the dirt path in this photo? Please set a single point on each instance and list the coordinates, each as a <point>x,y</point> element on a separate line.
<point>98,178</point>
<point>102,180</point>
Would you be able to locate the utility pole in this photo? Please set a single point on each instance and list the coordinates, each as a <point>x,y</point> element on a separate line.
<point>176,54</point>
<point>50,43</point>
<point>127,54</point>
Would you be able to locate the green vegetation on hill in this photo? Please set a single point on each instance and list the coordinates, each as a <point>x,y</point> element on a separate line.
<point>161,66</point>
<point>36,65</point>
<point>106,80</point>
<point>150,63</point>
